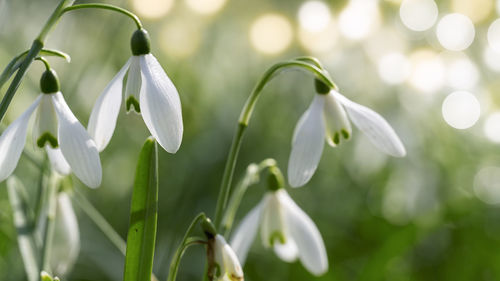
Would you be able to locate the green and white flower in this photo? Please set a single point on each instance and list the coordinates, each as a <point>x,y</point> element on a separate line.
<point>148,91</point>
<point>284,227</point>
<point>327,118</point>
<point>229,267</point>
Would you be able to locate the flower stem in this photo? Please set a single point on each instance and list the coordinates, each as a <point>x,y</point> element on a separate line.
<point>244,119</point>
<point>106,7</point>
<point>176,259</point>
<point>50,220</point>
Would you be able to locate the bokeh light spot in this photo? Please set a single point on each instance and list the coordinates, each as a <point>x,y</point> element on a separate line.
<point>476,10</point>
<point>320,41</point>
<point>461,110</point>
<point>428,71</point>
<point>462,74</point>
<point>206,7</point>
<point>418,15</point>
<point>314,16</point>
<point>492,58</point>
<point>394,68</point>
<point>487,185</point>
<point>152,9</point>
<point>455,32</point>
<point>494,35</point>
<point>271,33</point>
<point>359,19</point>
<point>179,39</point>
<point>492,127</point>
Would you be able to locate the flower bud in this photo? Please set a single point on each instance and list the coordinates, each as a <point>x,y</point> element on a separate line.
<point>49,83</point>
<point>140,42</point>
<point>275,179</point>
<point>321,87</point>
<point>208,228</point>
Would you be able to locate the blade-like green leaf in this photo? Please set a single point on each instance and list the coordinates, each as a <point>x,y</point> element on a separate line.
<point>143,216</point>
<point>24,228</point>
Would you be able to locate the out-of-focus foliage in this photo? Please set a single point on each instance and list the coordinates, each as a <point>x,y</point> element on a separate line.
<point>433,215</point>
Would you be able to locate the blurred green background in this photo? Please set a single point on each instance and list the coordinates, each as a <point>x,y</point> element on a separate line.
<point>433,215</point>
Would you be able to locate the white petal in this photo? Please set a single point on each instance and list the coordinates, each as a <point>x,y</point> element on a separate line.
<point>160,105</point>
<point>57,160</point>
<point>272,226</point>
<point>76,145</point>
<point>374,126</point>
<point>66,245</point>
<point>337,125</point>
<point>310,245</point>
<point>12,141</point>
<point>134,81</point>
<point>244,234</point>
<point>307,145</point>
<point>227,259</point>
<point>288,251</point>
<point>102,120</point>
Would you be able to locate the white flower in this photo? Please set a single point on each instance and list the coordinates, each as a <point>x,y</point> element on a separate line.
<point>328,117</point>
<point>66,240</point>
<point>286,228</point>
<point>148,91</point>
<point>68,145</point>
<point>226,259</point>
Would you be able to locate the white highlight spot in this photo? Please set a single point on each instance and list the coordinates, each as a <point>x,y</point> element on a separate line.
<point>206,7</point>
<point>487,185</point>
<point>152,9</point>
<point>455,32</point>
<point>428,71</point>
<point>314,16</point>
<point>394,68</point>
<point>418,15</point>
<point>494,35</point>
<point>491,58</point>
<point>359,19</point>
<point>462,74</point>
<point>492,127</point>
<point>461,110</point>
<point>271,33</point>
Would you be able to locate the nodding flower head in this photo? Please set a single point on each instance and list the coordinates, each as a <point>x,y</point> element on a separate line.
<point>148,91</point>
<point>228,267</point>
<point>58,131</point>
<point>327,118</point>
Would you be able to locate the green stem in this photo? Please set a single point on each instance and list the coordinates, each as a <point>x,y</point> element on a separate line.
<point>49,224</point>
<point>176,259</point>
<point>106,7</point>
<point>45,62</point>
<point>35,49</point>
<point>100,221</point>
<point>244,119</point>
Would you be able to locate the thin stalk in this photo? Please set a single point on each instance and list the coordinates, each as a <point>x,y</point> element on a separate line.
<point>106,7</point>
<point>49,224</point>
<point>244,119</point>
<point>100,221</point>
<point>185,243</point>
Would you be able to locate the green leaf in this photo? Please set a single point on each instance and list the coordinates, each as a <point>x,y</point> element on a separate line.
<point>24,227</point>
<point>143,216</point>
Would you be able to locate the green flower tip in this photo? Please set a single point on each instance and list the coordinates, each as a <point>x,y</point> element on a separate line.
<point>208,228</point>
<point>44,276</point>
<point>275,179</point>
<point>132,102</point>
<point>277,236</point>
<point>49,83</point>
<point>47,137</point>
<point>321,87</point>
<point>140,42</point>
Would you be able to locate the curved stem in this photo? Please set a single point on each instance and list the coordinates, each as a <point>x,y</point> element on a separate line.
<point>244,119</point>
<point>106,7</point>
<point>176,259</point>
<point>45,62</point>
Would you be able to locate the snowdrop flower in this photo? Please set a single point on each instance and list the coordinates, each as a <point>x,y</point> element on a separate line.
<point>328,118</point>
<point>285,228</point>
<point>56,129</point>
<point>227,261</point>
<point>148,91</point>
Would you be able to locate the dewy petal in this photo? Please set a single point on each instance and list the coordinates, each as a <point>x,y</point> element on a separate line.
<point>310,245</point>
<point>133,87</point>
<point>307,144</point>
<point>66,245</point>
<point>56,158</point>
<point>244,234</point>
<point>160,105</point>
<point>102,120</point>
<point>374,126</point>
<point>76,145</point>
<point>12,141</point>
<point>288,251</point>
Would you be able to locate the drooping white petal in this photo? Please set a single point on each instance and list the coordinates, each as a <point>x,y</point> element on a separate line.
<point>227,260</point>
<point>12,141</point>
<point>307,144</point>
<point>374,126</point>
<point>66,240</point>
<point>244,234</point>
<point>288,251</point>
<point>272,226</point>
<point>76,145</point>
<point>57,160</point>
<point>310,245</point>
<point>160,105</point>
<point>45,126</point>
<point>336,123</point>
<point>133,87</point>
<point>102,120</point>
